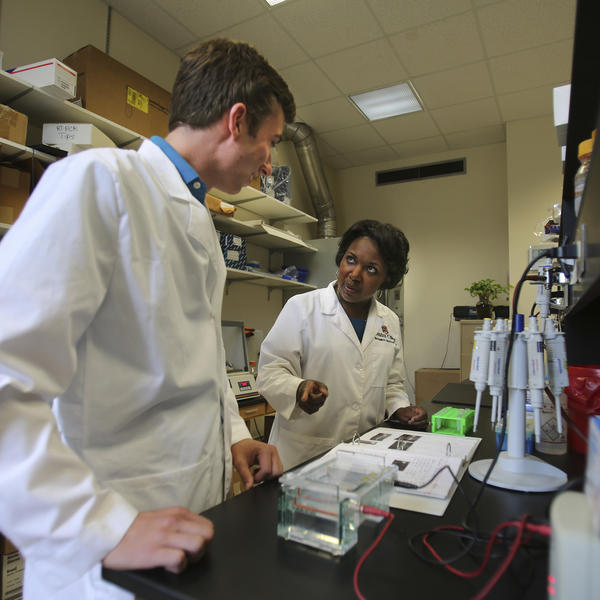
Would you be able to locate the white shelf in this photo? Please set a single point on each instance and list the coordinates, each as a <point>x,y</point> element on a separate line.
<point>266,280</point>
<point>41,107</point>
<point>11,151</point>
<point>262,235</point>
<point>264,206</point>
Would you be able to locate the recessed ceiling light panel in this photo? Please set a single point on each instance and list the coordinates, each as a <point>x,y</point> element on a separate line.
<point>274,2</point>
<point>387,102</point>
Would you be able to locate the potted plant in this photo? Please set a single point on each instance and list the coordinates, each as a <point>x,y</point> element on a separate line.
<point>486,290</point>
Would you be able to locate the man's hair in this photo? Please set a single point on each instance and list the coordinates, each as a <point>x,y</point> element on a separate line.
<point>391,242</point>
<point>216,74</point>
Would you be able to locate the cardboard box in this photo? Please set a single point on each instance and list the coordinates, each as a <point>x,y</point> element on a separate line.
<point>428,382</point>
<point>50,75</point>
<point>6,546</point>
<point>14,191</point>
<point>112,90</point>
<point>73,137</point>
<point>13,125</point>
<point>11,576</point>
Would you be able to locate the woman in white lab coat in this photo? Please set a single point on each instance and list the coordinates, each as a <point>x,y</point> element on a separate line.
<point>332,365</point>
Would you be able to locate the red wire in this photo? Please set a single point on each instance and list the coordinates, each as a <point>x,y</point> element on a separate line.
<point>371,511</point>
<point>521,525</point>
<point>494,579</point>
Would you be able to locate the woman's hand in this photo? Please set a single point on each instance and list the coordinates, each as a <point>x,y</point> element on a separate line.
<point>311,395</point>
<point>414,416</point>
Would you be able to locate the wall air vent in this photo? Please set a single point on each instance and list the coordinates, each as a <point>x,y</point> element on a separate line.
<point>441,169</point>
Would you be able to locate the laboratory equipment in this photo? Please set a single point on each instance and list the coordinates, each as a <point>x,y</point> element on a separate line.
<point>574,549</point>
<point>453,421</point>
<point>515,469</point>
<point>241,380</point>
<point>496,364</point>
<point>479,363</point>
<point>319,505</point>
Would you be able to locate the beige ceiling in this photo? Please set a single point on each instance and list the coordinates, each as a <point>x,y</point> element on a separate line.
<point>476,64</point>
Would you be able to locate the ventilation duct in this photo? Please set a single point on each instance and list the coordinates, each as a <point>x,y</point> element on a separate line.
<point>308,156</point>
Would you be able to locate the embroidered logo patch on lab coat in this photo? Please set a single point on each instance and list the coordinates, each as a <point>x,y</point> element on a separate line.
<point>384,335</point>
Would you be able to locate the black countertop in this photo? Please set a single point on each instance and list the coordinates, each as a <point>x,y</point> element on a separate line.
<point>248,560</point>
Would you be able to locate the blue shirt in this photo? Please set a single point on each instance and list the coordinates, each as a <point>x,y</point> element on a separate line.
<point>196,186</point>
<point>359,326</point>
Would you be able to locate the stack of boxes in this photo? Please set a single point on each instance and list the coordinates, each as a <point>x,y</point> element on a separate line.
<point>234,250</point>
<point>11,571</point>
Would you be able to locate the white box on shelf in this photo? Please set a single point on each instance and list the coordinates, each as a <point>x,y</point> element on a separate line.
<point>73,137</point>
<point>50,75</point>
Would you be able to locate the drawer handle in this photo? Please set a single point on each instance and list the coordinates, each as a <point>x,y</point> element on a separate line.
<point>249,411</point>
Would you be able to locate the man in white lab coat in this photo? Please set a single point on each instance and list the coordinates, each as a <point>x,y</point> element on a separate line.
<point>111,287</point>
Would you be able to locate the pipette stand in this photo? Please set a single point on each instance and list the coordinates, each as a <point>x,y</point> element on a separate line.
<point>514,469</point>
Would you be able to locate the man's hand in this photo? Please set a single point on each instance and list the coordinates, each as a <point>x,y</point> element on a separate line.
<point>311,395</point>
<point>169,538</point>
<point>247,453</point>
<point>413,416</point>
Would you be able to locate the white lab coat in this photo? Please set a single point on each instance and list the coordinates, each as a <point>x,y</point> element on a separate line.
<point>111,287</point>
<point>313,338</point>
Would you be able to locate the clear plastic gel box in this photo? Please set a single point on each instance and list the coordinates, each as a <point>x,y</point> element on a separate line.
<point>320,505</point>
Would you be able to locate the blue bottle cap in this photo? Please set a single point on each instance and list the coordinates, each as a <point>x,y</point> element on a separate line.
<point>519,322</point>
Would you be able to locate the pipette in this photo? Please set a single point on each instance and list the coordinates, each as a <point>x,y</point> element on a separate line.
<point>497,359</point>
<point>536,375</point>
<point>558,374</point>
<point>479,363</point>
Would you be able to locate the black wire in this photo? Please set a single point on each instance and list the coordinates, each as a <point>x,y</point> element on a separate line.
<point>447,341</point>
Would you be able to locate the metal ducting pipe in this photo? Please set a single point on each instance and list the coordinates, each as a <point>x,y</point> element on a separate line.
<point>308,155</point>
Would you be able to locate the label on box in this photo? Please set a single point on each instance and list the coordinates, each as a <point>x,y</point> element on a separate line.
<point>137,100</point>
<point>11,577</point>
<point>232,255</point>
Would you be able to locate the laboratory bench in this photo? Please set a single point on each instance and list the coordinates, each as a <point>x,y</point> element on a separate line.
<point>247,559</point>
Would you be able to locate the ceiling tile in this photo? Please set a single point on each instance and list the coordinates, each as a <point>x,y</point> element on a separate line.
<point>363,68</point>
<point>406,127</point>
<point>448,43</point>
<point>537,23</point>
<point>476,137</point>
<point>324,27</point>
<point>454,86</point>
<point>395,16</point>
<point>373,155</point>
<point>208,18</point>
<point>331,114</point>
<point>324,148</point>
<point>545,65</point>
<point>155,21</point>
<point>266,35</point>
<point>416,147</point>
<point>463,117</point>
<point>526,104</point>
<point>338,162</point>
<point>308,84</point>
<point>353,138</point>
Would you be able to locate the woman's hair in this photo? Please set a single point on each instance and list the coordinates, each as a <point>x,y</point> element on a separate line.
<point>216,74</point>
<point>391,242</point>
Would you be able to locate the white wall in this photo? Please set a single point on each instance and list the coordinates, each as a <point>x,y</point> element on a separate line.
<point>534,179</point>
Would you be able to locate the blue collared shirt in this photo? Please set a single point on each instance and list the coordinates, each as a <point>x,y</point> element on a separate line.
<point>196,186</point>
